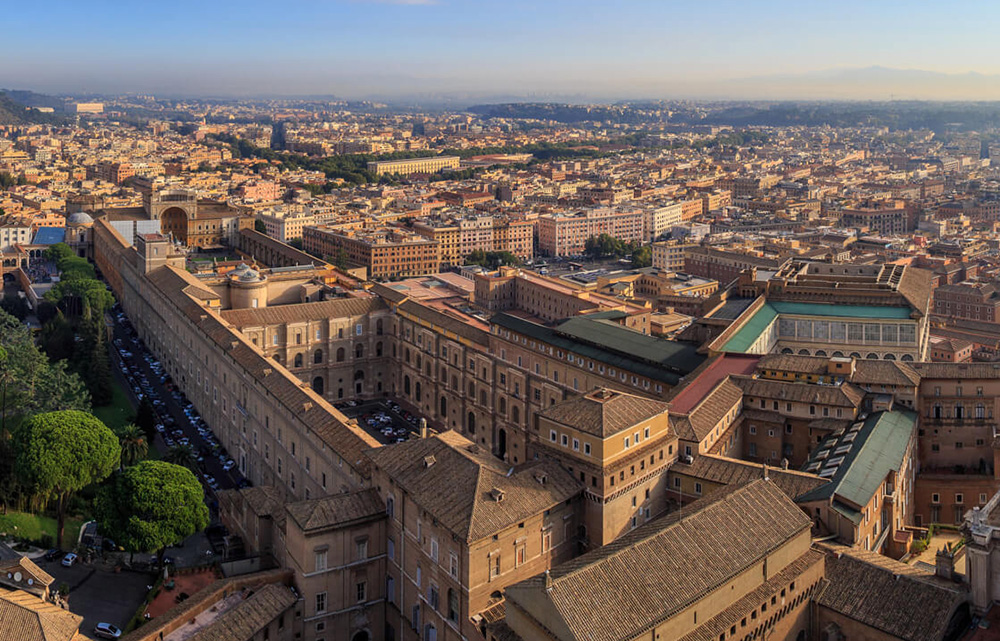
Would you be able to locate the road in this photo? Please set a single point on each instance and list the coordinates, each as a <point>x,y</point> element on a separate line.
<point>143,374</point>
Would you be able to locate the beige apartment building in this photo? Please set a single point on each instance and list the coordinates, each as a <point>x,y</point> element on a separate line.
<point>386,253</point>
<point>414,165</point>
<point>459,236</point>
<point>566,234</point>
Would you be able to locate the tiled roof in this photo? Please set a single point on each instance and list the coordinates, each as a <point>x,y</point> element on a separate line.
<point>336,509</point>
<point>897,599</point>
<point>248,618</point>
<point>263,500</point>
<point>957,370</point>
<point>843,395</point>
<point>25,617</point>
<point>720,469</point>
<point>28,569</point>
<point>459,483</point>
<point>604,412</point>
<point>654,572</point>
<point>303,312</point>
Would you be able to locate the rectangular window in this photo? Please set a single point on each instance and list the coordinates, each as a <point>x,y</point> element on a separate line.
<point>627,443</point>
<point>361,590</point>
<point>453,565</point>
<point>320,560</point>
<point>321,603</point>
<point>362,550</point>
<point>553,436</point>
<point>576,445</point>
<point>434,549</point>
<point>390,549</point>
<point>586,449</point>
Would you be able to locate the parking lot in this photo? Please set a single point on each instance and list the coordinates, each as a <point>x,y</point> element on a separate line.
<point>98,593</point>
<point>385,420</point>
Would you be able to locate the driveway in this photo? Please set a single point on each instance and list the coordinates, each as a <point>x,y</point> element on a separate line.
<point>99,594</point>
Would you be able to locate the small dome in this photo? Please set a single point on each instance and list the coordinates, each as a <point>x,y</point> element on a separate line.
<point>79,218</point>
<point>249,276</point>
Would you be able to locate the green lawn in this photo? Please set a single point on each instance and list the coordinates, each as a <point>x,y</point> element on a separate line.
<point>22,524</point>
<point>119,412</point>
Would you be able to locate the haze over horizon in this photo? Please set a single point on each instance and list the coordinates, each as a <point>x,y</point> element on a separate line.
<point>468,50</point>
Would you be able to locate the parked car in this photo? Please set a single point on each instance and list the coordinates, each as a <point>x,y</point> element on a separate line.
<point>106,631</point>
<point>69,560</point>
<point>54,554</point>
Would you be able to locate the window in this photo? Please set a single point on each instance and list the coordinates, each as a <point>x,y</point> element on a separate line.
<point>358,329</point>
<point>361,591</point>
<point>586,449</point>
<point>576,445</point>
<point>627,442</point>
<point>565,440</point>
<point>434,549</point>
<point>390,549</point>
<point>452,605</point>
<point>320,560</point>
<point>546,540</point>
<point>935,498</point>
<point>519,556</point>
<point>321,603</point>
<point>552,436</point>
<point>453,564</point>
<point>433,596</point>
<point>697,488</point>
<point>390,506</point>
<point>959,499</point>
<point>390,589</point>
<point>362,550</point>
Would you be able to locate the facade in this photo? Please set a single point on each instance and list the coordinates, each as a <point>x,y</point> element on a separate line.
<point>747,567</point>
<point>723,266</point>
<point>387,253</point>
<point>413,165</point>
<point>970,301</point>
<point>669,255</point>
<point>566,234</point>
<point>459,236</point>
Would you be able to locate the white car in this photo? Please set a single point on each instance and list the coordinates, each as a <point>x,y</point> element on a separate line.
<point>106,631</point>
<point>69,560</point>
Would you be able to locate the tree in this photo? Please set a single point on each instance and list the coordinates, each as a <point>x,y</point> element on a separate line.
<point>60,453</point>
<point>152,505</point>
<point>145,418</point>
<point>182,455</point>
<point>15,306</point>
<point>259,225</point>
<point>340,261</point>
<point>642,257</point>
<point>133,443</point>
<point>90,358</point>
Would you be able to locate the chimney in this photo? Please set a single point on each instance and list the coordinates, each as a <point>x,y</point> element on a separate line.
<point>548,581</point>
<point>423,428</point>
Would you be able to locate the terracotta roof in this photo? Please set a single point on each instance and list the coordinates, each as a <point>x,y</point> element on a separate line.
<point>604,412</point>
<point>459,483</point>
<point>25,617</point>
<point>957,370</point>
<point>336,509</point>
<point>28,569</point>
<point>263,500</point>
<point>634,582</point>
<point>246,619</point>
<point>843,395</point>
<point>699,423</point>
<point>895,598</point>
<point>303,312</point>
<point>720,469</point>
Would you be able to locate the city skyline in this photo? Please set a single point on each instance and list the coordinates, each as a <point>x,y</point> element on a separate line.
<point>414,49</point>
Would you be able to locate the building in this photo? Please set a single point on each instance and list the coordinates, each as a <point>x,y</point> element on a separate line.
<point>386,253</point>
<point>723,265</point>
<point>869,499</point>
<point>458,236</point>
<point>969,301</point>
<point>669,255</point>
<point>862,311</point>
<point>884,221</point>
<point>567,234</point>
<point>462,526</point>
<point>285,225</point>
<point>747,567</point>
<point>408,166</point>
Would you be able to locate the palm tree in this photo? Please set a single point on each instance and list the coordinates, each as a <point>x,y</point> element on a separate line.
<point>181,455</point>
<point>134,444</point>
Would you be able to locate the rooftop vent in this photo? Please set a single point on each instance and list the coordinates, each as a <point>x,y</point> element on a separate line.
<point>429,460</point>
<point>497,494</point>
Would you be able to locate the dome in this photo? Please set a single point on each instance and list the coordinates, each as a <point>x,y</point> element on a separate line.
<point>79,218</point>
<point>249,276</point>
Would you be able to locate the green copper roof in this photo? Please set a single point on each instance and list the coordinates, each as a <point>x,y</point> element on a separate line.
<point>742,340</point>
<point>877,448</point>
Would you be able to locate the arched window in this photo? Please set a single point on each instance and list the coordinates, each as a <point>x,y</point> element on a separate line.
<point>298,360</point>
<point>872,356</point>
<point>406,385</point>
<point>378,348</point>
<point>470,423</point>
<point>318,356</point>
<point>787,350</point>
<point>378,327</point>
<point>820,352</point>
<point>318,385</point>
<point>889,357</point>
<point>359,350</point>
<point>444,406</point>
<point>803,352</point>
<point>906,358</point>
<point>340,354</point>
<point>416,388</point>
<point>838,354</point>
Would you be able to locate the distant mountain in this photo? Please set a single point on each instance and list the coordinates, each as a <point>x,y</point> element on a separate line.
<point>16,113</point>
<point>866,83</point>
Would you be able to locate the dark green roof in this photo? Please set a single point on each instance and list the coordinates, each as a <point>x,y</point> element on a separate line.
<point>877,448</point>
<point>612,344</point>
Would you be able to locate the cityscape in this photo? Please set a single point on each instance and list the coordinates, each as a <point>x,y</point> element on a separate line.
<point>402,321</point>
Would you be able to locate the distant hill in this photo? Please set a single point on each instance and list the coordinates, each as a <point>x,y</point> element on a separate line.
<point>13,112</point>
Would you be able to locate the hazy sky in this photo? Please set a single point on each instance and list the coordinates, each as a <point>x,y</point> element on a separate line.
<point>623,48</point>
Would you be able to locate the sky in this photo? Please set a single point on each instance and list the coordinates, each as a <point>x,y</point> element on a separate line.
<point>400,49</point>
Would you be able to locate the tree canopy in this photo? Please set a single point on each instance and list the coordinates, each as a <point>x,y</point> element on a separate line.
<point>605,246</point>
<point>491,259</point>
<point>59,453</point>
<point>152,505</point>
